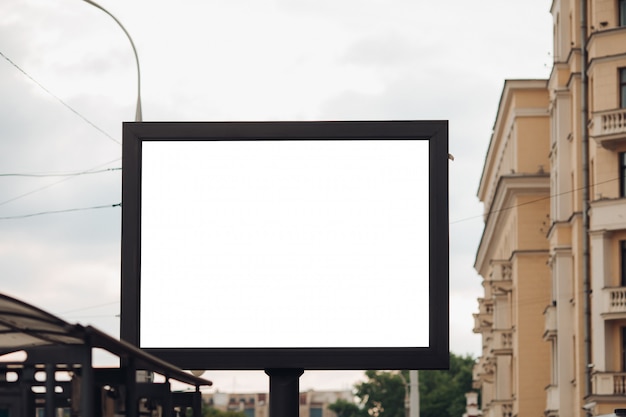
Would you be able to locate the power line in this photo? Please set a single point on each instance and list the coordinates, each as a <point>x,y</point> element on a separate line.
<point>531,202</point>
<point>96,316</point>
<point>90,307</point>
<point>23,216</point>
<point>59,174</point>
<point>53,184</point>
<point>59,99</point>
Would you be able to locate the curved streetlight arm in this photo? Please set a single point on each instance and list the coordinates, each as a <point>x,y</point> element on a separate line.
<point>138,115</point>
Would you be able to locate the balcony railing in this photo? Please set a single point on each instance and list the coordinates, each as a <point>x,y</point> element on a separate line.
<point>609,383</point>
<point>614,300</point>
<point>609,127</point>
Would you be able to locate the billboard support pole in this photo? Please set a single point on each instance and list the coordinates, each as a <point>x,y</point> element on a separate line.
<point>284,392</point>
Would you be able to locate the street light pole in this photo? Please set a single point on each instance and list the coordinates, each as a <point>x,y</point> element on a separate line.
<point>138,115</point>
<point>411,394</point>
<point>414,391</point>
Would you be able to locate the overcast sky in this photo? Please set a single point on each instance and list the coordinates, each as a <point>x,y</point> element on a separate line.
<point>62,112</point>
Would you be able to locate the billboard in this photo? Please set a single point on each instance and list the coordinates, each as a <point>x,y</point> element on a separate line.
<point>314,245</point>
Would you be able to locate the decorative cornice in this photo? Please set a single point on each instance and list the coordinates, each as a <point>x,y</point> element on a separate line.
<point>508,186</point>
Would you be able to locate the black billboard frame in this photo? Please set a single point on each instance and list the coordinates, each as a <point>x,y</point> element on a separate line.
<point>435,356</point>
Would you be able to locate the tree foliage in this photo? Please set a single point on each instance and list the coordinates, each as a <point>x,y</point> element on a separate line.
<point>345,408</point>
<point>383,394</point>
<point>442,393</point>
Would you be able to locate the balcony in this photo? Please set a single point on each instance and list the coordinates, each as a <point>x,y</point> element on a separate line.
<point>502,342</point>
<point>500,408</point>
<point>482,322</point>
<point>549,331</point>
<point>607,214</point>
<point>609,383</point>
<point>608,128</point>
<point>484,318</point>
<point>613,303</point>
<point>552,399</point>
<point>499,280</point>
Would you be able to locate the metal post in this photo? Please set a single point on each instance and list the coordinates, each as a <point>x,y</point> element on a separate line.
<point>586,272</point>
<point>50,378</point>
<point>284,392</point>
<point>130,379</point>
<point>87,384</point>
<point>414,406</point>
<point>197,403</point>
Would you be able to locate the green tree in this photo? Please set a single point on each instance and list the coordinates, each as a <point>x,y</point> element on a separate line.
<point>345,408</point>
<point>382,395</point>
<point>442,393</point>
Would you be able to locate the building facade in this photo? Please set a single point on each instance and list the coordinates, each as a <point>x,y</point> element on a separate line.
<point>583,284</point>
<point>513,253</point>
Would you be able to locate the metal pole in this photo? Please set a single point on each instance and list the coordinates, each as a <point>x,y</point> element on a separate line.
<point>414,407</point>
<point>407,395</point>
<point>87,384</point>
<point>138,114</point>
<point>586,273</point>
<point>50,379</point>
<point>284,392</point>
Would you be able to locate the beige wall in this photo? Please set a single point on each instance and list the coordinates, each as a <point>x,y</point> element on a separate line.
<point>533,145</point>
<point>533,354</point>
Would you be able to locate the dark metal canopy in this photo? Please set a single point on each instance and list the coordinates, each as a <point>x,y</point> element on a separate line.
<point>24,326</point>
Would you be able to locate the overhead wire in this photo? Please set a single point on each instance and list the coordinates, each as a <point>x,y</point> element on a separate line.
<point>452,222</point>
<point>70,175</point>
<point>53,184</point>
<point>66,176</point>
<point>91,307</point>
<point>59,99</point>
<point>59,174</point>
<point>23,216</point>
<point>531,202</point>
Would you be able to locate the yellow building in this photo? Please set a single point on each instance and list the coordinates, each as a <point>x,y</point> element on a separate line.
<point>580,359</point>
<point>513,254</point>
<point>588,214</point>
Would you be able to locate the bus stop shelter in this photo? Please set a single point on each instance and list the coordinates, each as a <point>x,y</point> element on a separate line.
<point>54,374</point>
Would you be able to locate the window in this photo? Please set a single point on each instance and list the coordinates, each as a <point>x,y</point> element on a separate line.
<point>316,412</point>
<point>621,9</point>
<point>622,174</point>
<point>622,87</point>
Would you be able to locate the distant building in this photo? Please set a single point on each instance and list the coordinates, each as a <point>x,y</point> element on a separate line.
<point>312,403</point>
